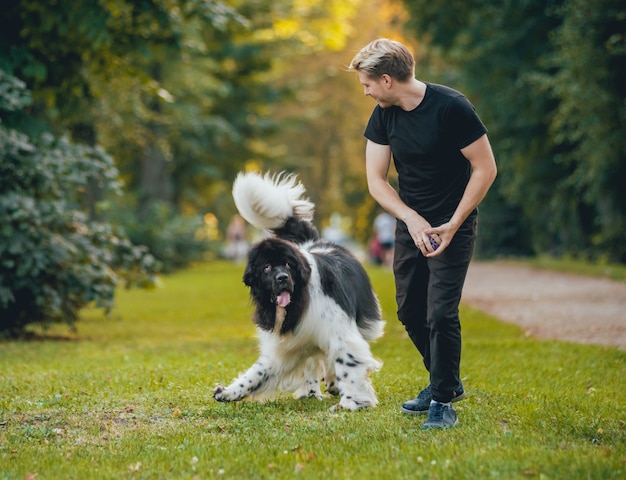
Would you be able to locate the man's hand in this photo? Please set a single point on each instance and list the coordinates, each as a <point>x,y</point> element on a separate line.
<point>443,235</point>
<point>419,227</point>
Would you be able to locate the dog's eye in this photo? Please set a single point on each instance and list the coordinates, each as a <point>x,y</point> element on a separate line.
<point>288,265</point>
<point>267,268</point>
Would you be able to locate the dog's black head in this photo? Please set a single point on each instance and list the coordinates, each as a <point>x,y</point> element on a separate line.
<point>277,274</point>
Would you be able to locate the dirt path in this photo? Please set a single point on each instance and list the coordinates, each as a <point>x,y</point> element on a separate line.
<point>549,304</point>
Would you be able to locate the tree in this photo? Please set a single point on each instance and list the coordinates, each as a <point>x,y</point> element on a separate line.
<point>590,87</point>
<point>183,94</point>
<point>53,259</point>
<point>70,52</point>
<point>323,116</point>
<point>544,76</point>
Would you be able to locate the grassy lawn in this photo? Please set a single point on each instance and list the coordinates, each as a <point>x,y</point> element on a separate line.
<point>129,396</point>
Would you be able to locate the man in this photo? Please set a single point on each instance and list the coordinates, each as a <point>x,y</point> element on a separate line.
<point>445,167</point>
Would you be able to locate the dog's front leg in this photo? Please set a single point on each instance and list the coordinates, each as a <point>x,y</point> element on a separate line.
<point>330,379</point>
<point>258,380</point>
<point>353,364</point>
<point>312,375</point>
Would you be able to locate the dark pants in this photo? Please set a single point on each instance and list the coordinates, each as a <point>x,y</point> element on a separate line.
<point>428,293</point>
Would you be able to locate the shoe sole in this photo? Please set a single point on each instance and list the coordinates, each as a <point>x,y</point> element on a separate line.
<point>422,412</point>
<point>437,427</point>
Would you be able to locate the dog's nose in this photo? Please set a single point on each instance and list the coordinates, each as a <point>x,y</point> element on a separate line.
<point>281,277</point>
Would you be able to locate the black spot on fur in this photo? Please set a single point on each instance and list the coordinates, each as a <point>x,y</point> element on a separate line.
<point>344,279</point>
<point>354,362</point>
<point>256,387</point>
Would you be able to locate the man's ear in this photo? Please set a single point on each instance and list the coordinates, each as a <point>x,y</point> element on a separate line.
<point>386,80</point>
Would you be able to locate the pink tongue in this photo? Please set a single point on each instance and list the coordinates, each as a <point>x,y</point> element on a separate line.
<point>283,299</point>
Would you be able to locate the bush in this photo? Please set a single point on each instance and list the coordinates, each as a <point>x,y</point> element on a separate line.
<point>174,240</point>
<point>53,259</point>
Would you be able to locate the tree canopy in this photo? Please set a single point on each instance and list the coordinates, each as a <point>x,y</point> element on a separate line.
<point>548,78</point>
<point>185,93</point>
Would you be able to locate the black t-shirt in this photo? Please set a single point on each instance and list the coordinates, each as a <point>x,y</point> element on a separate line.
<point>426,143</point>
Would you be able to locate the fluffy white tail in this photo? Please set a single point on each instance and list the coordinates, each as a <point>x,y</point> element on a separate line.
<point>267,201</point>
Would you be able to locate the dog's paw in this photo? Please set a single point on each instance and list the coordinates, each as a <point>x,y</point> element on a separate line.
<point>332,389</point>
<point>312,390</point>
<point>310,394</point>
<point>343,406</point>
<point>219,393</point>
<point>349,404</point>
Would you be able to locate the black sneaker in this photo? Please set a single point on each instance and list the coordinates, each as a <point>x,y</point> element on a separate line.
<point>440,415</point>
<point>421,403</point>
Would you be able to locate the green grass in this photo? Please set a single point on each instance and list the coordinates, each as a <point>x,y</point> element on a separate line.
<point>129,396</point>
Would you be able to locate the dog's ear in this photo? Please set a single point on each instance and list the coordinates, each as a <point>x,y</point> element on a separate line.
<point>249,275</point>
<point>303,268</point>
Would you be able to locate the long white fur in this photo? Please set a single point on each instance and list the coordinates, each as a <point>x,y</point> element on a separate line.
<point>296,362</point>
<point>266,201</point>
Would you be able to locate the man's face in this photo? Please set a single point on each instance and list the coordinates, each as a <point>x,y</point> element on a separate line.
<point>375,88</point>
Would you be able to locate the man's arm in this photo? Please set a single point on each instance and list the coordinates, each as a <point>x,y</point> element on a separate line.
<point>484,171</point>
<point>377,161</point>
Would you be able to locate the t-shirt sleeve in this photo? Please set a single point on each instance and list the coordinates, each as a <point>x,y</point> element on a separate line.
<point>465,124</point>
<point>375,130</point>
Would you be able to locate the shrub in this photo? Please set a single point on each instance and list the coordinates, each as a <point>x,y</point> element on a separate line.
<point>174,240</point>
<point>53,259</point>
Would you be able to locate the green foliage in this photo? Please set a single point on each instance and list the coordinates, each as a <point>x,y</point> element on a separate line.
<point>590,86</point>
<point>13,93</point>
<point>53,259</point>
<point>173,239</point>
<point>548,80</point>
<point>180,93</point>
<point>130,396</point>
<point>183,94</point>
<point>138,78</point>
<point>602,269</point>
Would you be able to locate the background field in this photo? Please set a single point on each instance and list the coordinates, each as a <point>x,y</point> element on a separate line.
<point>129,396</point>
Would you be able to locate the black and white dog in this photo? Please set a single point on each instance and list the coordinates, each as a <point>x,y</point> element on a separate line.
<point>315,309</point>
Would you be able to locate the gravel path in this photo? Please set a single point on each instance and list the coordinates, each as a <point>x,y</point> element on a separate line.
<point>550,304</point>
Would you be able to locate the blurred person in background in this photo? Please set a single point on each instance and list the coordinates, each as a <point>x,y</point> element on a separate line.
<point>385,227</point>
<point>237,244</point>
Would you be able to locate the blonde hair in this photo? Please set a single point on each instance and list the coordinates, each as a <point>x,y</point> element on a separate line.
<point>384,56</point>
